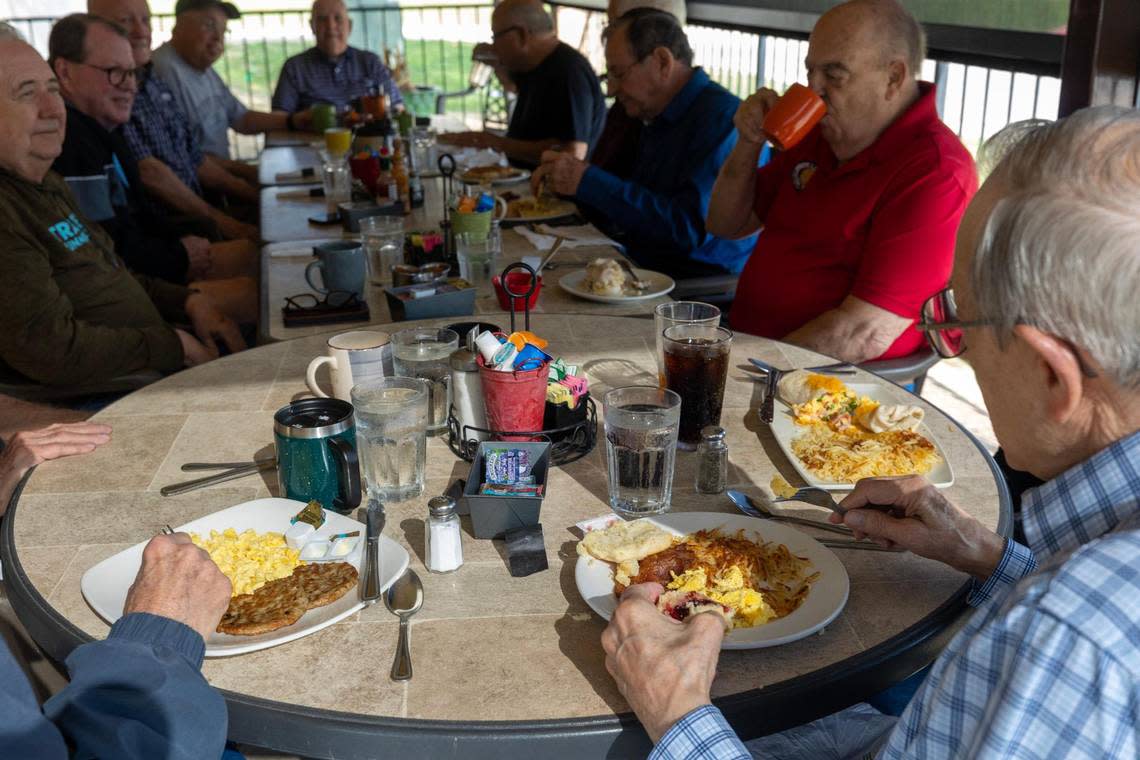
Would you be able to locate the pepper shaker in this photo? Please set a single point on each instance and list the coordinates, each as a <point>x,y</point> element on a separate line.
<point>712,461</point>
<point>444,548</point>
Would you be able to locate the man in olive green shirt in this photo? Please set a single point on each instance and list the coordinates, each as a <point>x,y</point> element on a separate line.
<point>71,312</point>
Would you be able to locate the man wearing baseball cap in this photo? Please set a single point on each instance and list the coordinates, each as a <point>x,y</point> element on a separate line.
<point>185,64</point>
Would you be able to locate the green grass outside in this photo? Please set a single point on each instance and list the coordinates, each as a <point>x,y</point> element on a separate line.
<point>251,70</point>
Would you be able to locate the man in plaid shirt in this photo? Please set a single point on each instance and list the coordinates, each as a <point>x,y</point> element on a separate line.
<point>1043,295</point>
<point>173,166</point>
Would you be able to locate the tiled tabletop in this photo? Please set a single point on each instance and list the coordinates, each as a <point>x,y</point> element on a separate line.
<point>485,645</point>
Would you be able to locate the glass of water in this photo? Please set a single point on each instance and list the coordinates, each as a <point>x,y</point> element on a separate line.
<point>478,259</point>
<point>679,313</point>
<point>337,181</point>
<point>641,448</point>
<point>391,436</point>
<point>423,352</point>
<point>383,241</point>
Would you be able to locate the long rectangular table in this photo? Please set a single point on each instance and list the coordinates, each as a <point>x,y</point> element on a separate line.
<point>285,211</point>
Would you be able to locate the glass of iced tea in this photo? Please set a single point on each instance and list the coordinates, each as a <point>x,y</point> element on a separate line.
<point>679,313</point>
<point>696,365</point>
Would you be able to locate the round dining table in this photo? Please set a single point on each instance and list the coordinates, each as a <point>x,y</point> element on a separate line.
<point>503,665</point>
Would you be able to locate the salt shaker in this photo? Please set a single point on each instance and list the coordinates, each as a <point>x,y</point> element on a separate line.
<point>712,461</point>
<point>444,548</point>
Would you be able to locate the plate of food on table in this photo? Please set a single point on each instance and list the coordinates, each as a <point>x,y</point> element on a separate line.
<point>493,175</point>
<point>768,583</point>
<point>294,567</point>
<point>536,209</point>
<point>605,280</point>
<point>836,433</point>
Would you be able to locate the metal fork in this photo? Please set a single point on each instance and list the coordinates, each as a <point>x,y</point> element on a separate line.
<point>167,530</point>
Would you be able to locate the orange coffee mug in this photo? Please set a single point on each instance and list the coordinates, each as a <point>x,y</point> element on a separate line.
<point>795,113</point>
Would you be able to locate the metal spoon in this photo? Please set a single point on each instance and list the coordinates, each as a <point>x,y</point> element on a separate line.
<point>404,599</point>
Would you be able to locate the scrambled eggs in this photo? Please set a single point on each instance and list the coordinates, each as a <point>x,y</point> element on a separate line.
<point>836,410</point>
<point>728,588</point>
<point>249,559</point>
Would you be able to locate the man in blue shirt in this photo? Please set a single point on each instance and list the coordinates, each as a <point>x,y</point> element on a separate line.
<point>658,213</point>
<point>332,71</point>
<point>1049,664</point>
<point>139,693</point>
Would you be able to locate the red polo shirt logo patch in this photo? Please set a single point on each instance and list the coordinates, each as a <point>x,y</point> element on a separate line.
<point>802,174</point>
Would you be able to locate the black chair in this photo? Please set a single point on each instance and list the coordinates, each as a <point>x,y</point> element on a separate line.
<point>29,391</point>
<point>907,369</point>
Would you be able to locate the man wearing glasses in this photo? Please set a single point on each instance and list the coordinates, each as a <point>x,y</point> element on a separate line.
<point>185,64</point>
<point>92,60</point>
<point>559,99</point>
<point>658,210</point>
<point>1043,305</point>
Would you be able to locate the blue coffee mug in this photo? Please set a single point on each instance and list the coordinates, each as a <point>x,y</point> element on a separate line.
<point>342,266</point>
<point>316,453</point>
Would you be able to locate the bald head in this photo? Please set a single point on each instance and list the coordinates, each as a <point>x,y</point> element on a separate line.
<point>331,26</point>
<point>527,14</point>
<point>132,15</point>
<point>885,26</point>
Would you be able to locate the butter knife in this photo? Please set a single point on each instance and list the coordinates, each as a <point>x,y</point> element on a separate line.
<point>768,409</point>
<point>374,525</point>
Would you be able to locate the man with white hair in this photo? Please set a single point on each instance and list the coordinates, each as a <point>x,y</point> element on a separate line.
<point>185,64</point>
<point>332,71</point>
<point>1042,303</point>
<point>72,312</point>
<point>859,217</point>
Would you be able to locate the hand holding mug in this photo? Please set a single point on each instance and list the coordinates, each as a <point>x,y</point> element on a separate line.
<point>749,119</point>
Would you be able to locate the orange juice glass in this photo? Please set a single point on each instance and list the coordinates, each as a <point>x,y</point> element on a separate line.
<point>338,140</point>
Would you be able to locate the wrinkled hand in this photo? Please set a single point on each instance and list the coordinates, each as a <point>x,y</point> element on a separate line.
<point>562,172</point>
<point>749,118</point>
<point>472,140</point>
<point>28,448</point>
<point>303,120</point>
<point>232,229</point>
<point>664,668</point>
<point>177,580</point>
<point>926,523</point>
<point>193,351</point>
<point>210,324</point>
<point>198,252</point>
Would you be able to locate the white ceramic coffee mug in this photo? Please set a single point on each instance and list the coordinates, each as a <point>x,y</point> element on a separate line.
<point>353,357</point>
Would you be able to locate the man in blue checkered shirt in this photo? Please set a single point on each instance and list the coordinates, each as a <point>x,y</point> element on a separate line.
<point>332,71</point>
<point>1043,294</point>
<point>173,167</point>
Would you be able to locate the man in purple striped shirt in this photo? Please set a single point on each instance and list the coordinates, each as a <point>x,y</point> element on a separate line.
<point>332,72</point>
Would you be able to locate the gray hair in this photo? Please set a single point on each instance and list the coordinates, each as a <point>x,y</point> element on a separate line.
<point>9,32</point>
<point>1061,251</point>
<point>648,29</point>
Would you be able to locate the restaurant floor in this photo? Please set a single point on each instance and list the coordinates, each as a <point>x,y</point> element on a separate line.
<point>950,386</point>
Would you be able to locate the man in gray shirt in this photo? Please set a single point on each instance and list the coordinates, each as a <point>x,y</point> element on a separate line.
<point>185,64</point>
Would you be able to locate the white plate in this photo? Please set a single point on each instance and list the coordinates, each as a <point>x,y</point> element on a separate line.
<point>828,595</point>
<point>567,209</point>
<point>105,585</point>
<point>784,428</point>
<point>522,176</point>
<point>659,285</point>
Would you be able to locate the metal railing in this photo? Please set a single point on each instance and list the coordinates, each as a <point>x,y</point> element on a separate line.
<point>435,43</point>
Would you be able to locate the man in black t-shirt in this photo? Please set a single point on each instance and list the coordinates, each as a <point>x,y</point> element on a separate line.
<point>560,102</point>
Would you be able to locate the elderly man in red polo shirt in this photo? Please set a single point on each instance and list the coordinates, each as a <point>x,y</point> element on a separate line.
<point>859,218</point>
